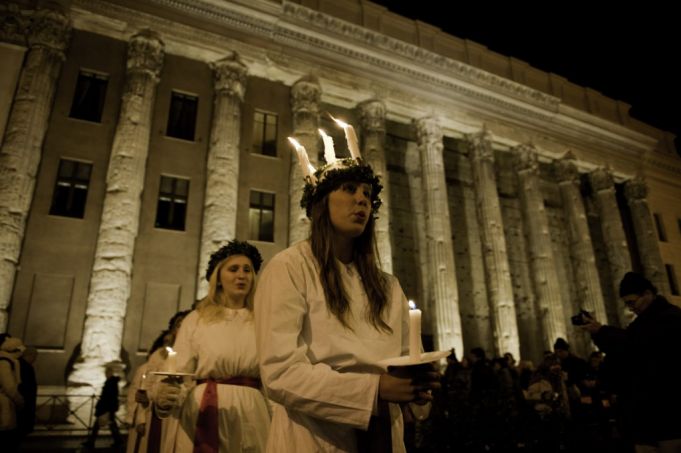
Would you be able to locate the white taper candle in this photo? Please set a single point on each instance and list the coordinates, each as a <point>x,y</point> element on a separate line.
<point>414,331</point>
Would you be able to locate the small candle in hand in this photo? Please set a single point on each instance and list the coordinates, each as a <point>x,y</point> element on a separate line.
<point>171,360</point>
<point>414,331</point>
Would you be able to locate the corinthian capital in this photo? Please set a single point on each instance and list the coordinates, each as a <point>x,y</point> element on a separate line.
<point>636,189</point>
<point>480,146</point>
<point>145,53</point>
<point>13,25</point>
<point>565,169</point>
<point>372,114</point>
<point>601,179</point>
<point>306,95</point>
<point>230,76</point>
<point>428,132</point>
<point>50,29</point>
<point>526,158</point>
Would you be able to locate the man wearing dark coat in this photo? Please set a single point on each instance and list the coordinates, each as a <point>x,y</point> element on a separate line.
<point>645,359</point>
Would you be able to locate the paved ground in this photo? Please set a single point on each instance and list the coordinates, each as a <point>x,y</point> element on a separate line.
<point>59,443</point>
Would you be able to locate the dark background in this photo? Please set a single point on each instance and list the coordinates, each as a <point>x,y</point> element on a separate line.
<point>629,53</point>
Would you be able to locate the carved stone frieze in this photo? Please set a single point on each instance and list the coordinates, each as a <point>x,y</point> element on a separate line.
<point>230,76</point>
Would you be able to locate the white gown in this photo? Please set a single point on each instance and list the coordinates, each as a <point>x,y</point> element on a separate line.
<point>221,349</point>
<point>324,377</point>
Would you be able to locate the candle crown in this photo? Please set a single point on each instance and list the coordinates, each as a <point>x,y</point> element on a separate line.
<point>328,177</point>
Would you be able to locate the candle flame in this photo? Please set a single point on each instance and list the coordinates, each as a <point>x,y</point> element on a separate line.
<point>412,305</point>
<point>170,350</point>
<point>295,143</point>
<point>340,123</point>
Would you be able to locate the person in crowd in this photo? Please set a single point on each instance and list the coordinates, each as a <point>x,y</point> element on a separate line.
<point>28,387</point>
<point>11,401</point>
<point>648,393</point>
<point>326,316</point>
<point>571,364</point>
<point>106,407</point>
<point>225,411</point>
<point>146,428</point>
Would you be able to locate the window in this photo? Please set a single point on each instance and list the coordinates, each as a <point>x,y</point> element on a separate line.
<point>88,99</point>
<point>171,209</point>
<point>182,116</point>
<point>673,282</point>
<point>661,233</point>
<point>70,190</point>
<point>261,216</point>
<point>265,134</point>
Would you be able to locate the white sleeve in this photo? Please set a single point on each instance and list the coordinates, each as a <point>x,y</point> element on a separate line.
<point>186,355</point>
<point>291,379</point>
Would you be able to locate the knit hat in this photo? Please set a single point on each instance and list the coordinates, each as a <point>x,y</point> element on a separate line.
<point>234,248</point>
<point>327,178</point>
<point>635,283</point>
<point>561,345</point>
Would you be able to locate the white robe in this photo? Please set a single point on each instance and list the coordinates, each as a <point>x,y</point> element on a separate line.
<point>222,349</point>
<point>325,377</point>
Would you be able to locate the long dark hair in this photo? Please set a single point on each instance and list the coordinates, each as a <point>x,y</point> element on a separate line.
<point>364,256</point>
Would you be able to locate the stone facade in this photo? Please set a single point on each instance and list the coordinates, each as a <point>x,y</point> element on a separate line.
<point>495,233</point>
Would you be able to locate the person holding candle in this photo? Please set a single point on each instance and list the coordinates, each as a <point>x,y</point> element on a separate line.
<point>326,316</point>
<point>225,411</point>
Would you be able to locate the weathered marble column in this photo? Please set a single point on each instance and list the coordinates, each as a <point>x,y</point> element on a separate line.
<point>495,256</point>
<point>586,281</point>
<point>112,270</point>
<point>545,276</point>
<point>222,168</point>
<point>444,297</point>
<point>615,240</point>
<point>305,97</point>
<point>636,191</point>
<point>373,152</point>
<point>13,46</point>
<point>24,134</point>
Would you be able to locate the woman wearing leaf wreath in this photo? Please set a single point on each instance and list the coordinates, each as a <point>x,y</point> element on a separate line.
<point>226,410</point>
<point>325,316</point>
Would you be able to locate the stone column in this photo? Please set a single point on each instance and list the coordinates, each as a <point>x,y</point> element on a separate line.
<point>586,281</point>
<point>305,97</point>
<point>222,168</point>
<point>373,152</point>
<point>636,191</point>
<point>13,46</point>
<point>443,295</point>
<point>112,269</point>
<point>495,257</point>
<point>22,145</point>
<point>545,276</point>
<point>614,237</point>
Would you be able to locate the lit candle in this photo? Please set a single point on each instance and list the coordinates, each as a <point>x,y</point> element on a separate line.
<point>303,160</point>
<point>414,331</point>
<point>350,137</point>
<point>171,360</point>
<point>329,152</point>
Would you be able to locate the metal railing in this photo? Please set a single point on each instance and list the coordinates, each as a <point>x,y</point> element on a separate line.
<point>60,412</point>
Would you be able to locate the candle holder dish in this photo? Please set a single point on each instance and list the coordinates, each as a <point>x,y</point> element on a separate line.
<point>172,373</point>
<point>407,360</point>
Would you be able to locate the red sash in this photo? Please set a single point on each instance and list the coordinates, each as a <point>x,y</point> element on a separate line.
<point>206,437</point>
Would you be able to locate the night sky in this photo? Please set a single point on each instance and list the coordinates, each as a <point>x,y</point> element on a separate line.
<point>627,53</point>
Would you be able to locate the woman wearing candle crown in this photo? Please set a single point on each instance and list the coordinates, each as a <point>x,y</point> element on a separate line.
<point>325,316</point>
<point>225,411</point>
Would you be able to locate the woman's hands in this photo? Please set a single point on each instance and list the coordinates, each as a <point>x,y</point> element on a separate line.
<point>409,384</point>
